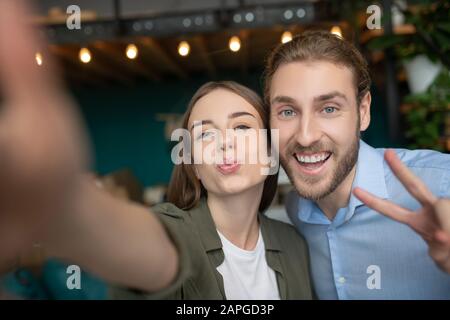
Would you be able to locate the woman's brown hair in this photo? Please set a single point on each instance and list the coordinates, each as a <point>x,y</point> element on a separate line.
<point>185,190</point>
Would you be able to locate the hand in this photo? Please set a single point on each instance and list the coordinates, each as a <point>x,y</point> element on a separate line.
<point>42,148</point>
<point>431,221</point>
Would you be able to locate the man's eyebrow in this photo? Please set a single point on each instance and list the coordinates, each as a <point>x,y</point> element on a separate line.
<point>331,95</point>
<point>240,114</point>
<point>201,123</point>
<point>283,99</point>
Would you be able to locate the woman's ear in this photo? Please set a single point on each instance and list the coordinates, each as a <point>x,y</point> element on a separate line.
<point>196,173</point>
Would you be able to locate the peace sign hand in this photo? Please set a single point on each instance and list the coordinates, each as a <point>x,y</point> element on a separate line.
<point>431,221</point>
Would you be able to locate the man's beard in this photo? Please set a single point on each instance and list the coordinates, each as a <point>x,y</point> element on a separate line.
<point>342,170</point>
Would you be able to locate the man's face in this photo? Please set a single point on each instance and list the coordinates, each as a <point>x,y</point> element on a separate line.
<point>313,104</point>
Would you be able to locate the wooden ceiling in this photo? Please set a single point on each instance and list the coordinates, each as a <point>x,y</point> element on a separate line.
<point>158,58</point>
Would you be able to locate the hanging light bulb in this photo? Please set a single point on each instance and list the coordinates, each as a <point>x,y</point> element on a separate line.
<point>337,31</point>
<point>286,37</point>
<point>38,58</point>
<point>131,51</point>
<point>85,55</point>
<point>184,48</point>
<point>234,44</point>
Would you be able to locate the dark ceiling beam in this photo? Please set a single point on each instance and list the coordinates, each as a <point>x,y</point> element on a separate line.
<point>95,66</point>
<point>199,45</point>
<point>115,56</point>
<point>244,51</point>
<point>152,49</point>
<point>212,20</point>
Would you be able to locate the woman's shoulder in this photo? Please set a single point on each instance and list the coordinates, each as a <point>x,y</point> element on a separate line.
<point>286,232</point>
<point>168,209</point>
<point>279,225</point>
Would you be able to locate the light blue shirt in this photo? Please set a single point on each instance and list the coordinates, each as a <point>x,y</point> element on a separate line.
<point>362,254</point>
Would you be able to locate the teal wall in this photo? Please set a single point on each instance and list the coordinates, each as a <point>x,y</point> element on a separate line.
<point>124,132</point>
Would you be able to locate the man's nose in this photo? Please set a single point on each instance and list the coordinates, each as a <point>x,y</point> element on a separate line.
<point>308,131</point>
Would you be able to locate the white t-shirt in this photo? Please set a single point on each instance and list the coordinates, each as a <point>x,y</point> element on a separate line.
<point>246,274</point>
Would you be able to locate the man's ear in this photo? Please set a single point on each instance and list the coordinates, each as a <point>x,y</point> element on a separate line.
<point>364,111</point>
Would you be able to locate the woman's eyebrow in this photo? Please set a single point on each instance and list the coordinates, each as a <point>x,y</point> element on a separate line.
<point>240,114</point>
<point>231,116</point>
<point>201,123</point>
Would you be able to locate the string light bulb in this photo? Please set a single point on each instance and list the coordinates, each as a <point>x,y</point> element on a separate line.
<point>286,37</point>
<point>85,55</point>
<point>132,51</point>
<point>234,44</point>
<point>184,48</point>
<point>337,31</point>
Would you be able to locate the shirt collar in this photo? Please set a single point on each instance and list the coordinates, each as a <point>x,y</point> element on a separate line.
<point>369,176</point>
<point>204,223</point>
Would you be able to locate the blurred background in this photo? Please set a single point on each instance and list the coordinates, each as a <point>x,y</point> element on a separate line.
<point>133,66</point>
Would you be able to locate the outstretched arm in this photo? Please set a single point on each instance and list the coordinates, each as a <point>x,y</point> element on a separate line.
<point>43,194</point>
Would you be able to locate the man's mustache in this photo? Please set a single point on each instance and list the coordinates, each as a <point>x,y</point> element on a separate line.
<point>317,147</point>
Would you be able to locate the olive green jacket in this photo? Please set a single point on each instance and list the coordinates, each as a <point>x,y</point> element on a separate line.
<point>200,249</point>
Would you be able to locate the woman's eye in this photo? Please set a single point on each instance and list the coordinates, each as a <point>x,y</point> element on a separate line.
<point>206,134</point>
<point>242,127</point>
<point>329,110</point>
<point>287,113</point>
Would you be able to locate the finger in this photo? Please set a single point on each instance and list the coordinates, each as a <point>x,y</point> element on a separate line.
<point>385,207</point>
<point>442,237</point>
<point>442,209</point>
<point>19,74</point>
<point>440,253</point>
<point>413,184</point>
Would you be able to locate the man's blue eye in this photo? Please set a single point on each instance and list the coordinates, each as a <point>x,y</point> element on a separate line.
<point>287,113</point>
<point>329,109</point>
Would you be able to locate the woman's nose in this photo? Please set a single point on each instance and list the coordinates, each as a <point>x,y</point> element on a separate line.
<point>227,142</point>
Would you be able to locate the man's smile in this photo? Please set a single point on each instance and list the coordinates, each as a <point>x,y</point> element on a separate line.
<point>312,163</point>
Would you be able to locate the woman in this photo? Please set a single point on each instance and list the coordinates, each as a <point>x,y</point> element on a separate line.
<point>216,208</point>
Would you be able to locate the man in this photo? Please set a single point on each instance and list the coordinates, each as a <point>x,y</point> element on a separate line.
<point>317,87</point>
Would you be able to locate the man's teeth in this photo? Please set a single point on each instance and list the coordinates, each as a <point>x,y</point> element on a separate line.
<point>312,159</point>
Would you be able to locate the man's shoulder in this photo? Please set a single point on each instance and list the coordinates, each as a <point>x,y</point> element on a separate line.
<point>422,158</point>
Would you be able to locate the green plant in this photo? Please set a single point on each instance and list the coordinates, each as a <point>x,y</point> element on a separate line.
<point>432,37</point>
<point>426,117</point>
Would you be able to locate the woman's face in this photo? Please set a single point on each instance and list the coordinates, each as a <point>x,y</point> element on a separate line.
<point>227,143</point>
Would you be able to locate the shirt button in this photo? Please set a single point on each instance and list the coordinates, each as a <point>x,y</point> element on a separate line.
<point>341,280</point>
